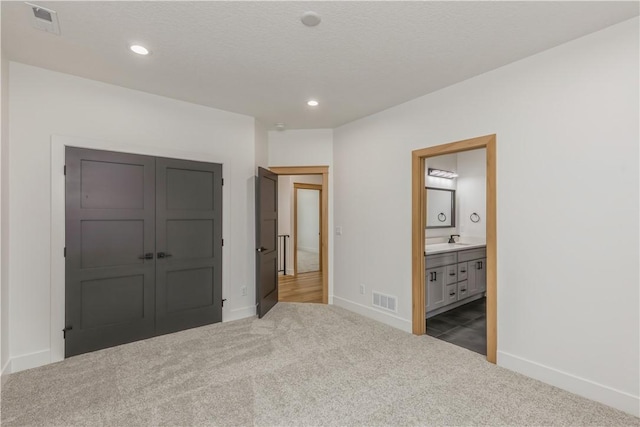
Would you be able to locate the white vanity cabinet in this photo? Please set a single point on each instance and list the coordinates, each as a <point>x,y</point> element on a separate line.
<point>453,278</point>
<point>438,278</point>
<point>477,276</point>
<point>434,282</point>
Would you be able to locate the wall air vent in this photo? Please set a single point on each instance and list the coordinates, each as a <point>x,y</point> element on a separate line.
<point>44,19</point>
<point>386,302</point>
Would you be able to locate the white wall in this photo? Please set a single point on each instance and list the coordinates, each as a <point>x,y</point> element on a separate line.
<point>567,150</point>
<point>44,103</point>
<point>261,145</point>
<point>308,220</point>
<point>471,194</point>
<point>312,147</point>
<point>4,220</point>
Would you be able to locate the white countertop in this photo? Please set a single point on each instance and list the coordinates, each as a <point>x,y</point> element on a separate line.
<point>438,248</point>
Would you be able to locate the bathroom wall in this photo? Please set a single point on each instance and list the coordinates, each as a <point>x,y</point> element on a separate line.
<point>472,193</point>
<point>448,162</point>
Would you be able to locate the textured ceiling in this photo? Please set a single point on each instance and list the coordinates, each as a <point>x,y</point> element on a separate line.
<point>256,58</point>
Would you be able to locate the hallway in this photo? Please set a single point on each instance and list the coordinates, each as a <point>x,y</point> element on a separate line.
<point>305,287</point>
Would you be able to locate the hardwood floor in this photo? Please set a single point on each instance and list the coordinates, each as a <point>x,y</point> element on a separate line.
<point>305,287</point>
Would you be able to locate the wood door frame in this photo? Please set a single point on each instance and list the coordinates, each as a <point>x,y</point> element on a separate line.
<point>418,222</point>
<point>303,186</point>
<point>324,233</point>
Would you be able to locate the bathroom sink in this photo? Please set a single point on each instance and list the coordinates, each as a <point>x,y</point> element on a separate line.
<point>446,247</point>
<point>439,246</point>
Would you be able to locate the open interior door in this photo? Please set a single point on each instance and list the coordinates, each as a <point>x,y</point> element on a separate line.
<point>266,241</point>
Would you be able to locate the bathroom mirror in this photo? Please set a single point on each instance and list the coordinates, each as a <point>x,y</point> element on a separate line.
<point>441,208</point>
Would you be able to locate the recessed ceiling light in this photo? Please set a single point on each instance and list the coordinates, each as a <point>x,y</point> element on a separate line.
<point>312,103</point>
<point>140,50</point>
<point>280,126</point>
<point>310,19</point>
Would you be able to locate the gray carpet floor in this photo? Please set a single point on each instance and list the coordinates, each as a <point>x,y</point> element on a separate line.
<point>302,364</point>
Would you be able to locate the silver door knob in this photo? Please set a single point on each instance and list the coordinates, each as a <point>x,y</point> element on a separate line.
<point>261,249</point>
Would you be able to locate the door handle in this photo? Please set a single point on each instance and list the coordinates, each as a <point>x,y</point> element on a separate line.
<point>164,255</point>
<point>261,249</point>
<point>148,255</point>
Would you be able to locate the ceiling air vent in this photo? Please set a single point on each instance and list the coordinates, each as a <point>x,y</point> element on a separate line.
<point>44,19</point>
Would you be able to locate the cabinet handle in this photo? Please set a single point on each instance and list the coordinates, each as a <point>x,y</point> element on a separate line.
<point>435,276</point>
<point>148,255</point>
<point>463,290</point>
<point>452,294</point>
<point>463,271</point>
<point>453,273</point>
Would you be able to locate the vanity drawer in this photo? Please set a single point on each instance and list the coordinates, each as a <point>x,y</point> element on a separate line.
<point>440,259</point>
<point>451,294</point>
<point>462,290</point>
<point>472,254</point>
<point>451,274</point>
<point>463,269</point>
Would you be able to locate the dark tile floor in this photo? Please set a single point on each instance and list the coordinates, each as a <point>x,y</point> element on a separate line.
<point>465,326</point>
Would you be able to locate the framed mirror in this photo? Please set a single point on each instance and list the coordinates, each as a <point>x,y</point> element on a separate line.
<point>441,208</point>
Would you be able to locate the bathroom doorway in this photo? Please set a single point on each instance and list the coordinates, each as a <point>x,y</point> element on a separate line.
<point>455,247</point>
<point>473,271</point>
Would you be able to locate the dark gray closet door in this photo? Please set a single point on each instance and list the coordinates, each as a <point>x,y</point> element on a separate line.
<point>188,244</point>
<point>110,286</point>
<point>266,241</point>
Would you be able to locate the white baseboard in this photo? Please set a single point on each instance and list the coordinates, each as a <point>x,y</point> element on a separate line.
<point>372,313</point>
<point>583,387</point>
<point>4,375</point>
<point>31,360</point>
<point>238,313</point>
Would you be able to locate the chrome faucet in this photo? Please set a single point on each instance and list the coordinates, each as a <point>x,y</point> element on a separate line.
<point>451,239</point>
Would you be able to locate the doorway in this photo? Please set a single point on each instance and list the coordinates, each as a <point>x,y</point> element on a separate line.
<point>419,221</point>
<point>311,285</point>
<point>307,225</point>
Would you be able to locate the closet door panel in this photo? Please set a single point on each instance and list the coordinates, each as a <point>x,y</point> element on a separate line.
<point>188,244</point>
<point>109,227</point>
